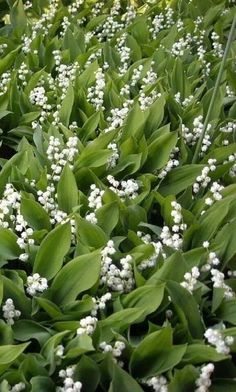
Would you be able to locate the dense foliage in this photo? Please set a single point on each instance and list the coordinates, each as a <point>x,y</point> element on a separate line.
<point>117,205</point>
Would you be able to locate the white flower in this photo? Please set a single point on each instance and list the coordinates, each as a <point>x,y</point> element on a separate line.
<point>36,284</point>
<point>204,382</point>
<point>87,325</point>
<point>221,343</point>
<point>10,312</point>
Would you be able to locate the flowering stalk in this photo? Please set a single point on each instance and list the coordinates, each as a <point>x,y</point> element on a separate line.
<point>217,84</point>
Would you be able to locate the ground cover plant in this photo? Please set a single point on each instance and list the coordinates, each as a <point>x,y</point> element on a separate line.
<point>117,204</point>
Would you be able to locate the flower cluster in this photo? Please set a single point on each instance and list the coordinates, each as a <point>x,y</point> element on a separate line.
<point>171,164</point>
<point>158,384</point>
<point>124,52</point>
<point>116,350</point>
<point>4,81</point>
<point>204,380</point>
<point>18,387</point>
<point>96,93</point>
<point>215,191</point>
<point>216,338</point>
<point>191,279</point>
<point>218,282</point>
<point>100,303</point>
<point>203,180</point>
<point>69,385</point>
<point>36,284</point>
<point>116,278</point>
<point>211,260</point>
<point>158,249</point>
<point>112,160</point>
<point>118,116</point>
<point>87,325</point>
<point>172,238</point>
<point>10,312</point>
<point>124,189</point>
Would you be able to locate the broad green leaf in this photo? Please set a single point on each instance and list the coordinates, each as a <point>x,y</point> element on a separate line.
<point>200,353</point>
<point>79,346</point>
<point>52,251</point>
<point>7,61</point>
<point>34,214</point>
<point>155,117</point>
<point>184,379</point>
<point>92,158</point>
<point>183,300</point>
<point>179,179</point>
<point>87,371</point>
<point>4,113</point>
<point>227,311</point>
<point>119,322</point>
<point>9,353</point>
<point>225,241</point>
<point>90,234</point>
<point>66,106</point>
<point>173,268</point>
<point>75,277</point>
<point>12,290</point>
<point>9,249</point>
<point>122,381</point>
<point>25,330</point>
<point>210,222</point>
<point>18,17</point>
<point>67,191</point>
<point>42,383</point>
<point>156,354</point>
<point>146,297</point>
<point>159,151</point>
<point>20,160</point>
<point>108,216</point>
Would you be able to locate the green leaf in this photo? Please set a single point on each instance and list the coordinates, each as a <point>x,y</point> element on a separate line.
<point>67,191</point>
<point>184,380</point>
<point>173,268</point>
<point>159,151</point>
<point>7,61</point>
<point>4,113</point>
<point>12,290</point>
<point>66,106</point>
<point>90,234</point>
<point>179,179</point>
<point>75,277</point>
<point>19,160</point>
<point>200,353</point>
<point>183,300</point>
<point>42,383</point>
<point>52,251</point>
<point>225,241</point>
<point>18,18</point>
<point>227,311</point>
<point>78,346</point>
<point>108,216</point>
<point>9,353</point>
<point>119,322</point>
<point>155,117</point>
<point>87,372</point>
<point>210,222</point>
<point>28,329</point>
<point>146,297</point>
<point>122,381</point>
<point>156,354</point>
<point>34,214</point>
<point>9,249</point>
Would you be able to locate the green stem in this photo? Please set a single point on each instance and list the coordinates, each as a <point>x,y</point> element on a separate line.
<point>217,84</point>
